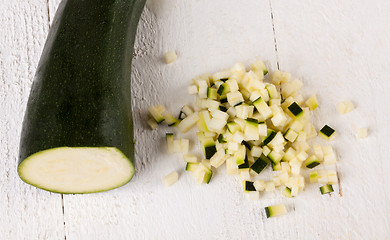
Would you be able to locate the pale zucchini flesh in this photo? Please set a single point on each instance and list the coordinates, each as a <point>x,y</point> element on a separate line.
<point>77,169</point>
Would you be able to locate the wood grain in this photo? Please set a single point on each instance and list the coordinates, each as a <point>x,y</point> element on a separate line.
<point>339,50</point>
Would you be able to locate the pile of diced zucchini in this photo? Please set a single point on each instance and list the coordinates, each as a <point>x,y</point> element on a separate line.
<point>251,120</point>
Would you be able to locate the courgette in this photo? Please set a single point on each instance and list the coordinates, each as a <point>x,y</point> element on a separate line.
<point>77,134</point>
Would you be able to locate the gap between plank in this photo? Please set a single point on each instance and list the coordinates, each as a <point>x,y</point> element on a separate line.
<point>48,12</point>
<point>63,214</point>
<point>62,195</point>
<point>273,29</point>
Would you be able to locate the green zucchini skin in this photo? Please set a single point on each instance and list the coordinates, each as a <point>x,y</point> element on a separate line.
<point>80,95</point>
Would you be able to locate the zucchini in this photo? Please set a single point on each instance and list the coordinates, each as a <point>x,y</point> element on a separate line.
<point>77,134</point>
<point>295,109</point>
<point>270,136</point>
<point>327,132</point>
<point>287,192</point>
<point>275,210</point>
<point>312,162</point>
<point>249,187</point>
<point>260,164</point>
<point>326,189</point>
<point>209,148</point>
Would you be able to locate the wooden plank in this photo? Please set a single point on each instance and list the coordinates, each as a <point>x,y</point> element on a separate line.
<point>341,51</point>
<point>27,213</point>
<point>207,36</point>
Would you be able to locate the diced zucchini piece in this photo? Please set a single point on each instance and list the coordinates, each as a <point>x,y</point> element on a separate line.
<point>156,113</point>
<point>171,178</point>
<point>251,130</point>
<point>275,157</point>
<point>313,176</point>
<point>169,119</point>
<point>232,112</point>
<point>218,159</point>
<point>329,155</point>
<point>279,119</point>
<point>291,135</point>
<point>276,181</point>
<point>223,99</point>
<point>238,137</point>
<point>269,186</point>
<point>233,127</point>
<point>302,156</point>
<point>266,150</point>
<point>262,108</point>
<point>287,192</point>
<point>152,124</point>
<point>223,89</point>
<point>256,151</point>
<point>254,195</point>
<point>277,141</point>
<point>318,152</point>
<point>192,166</point>
<point>240,155</point>
<point>297,126</point>
<point>170,57</point>
<point>289,155</point>
<point>212,93</point>
<point>272,91</point>
<point>169,139</point>
<point>244,111</point>
<point>184,145</point>
<point>176,146</point>
<point>244,175</point>
<point>187,123</point>
<point>217,125</point>
<point>326,132</point>
<point>223,76</point>
<point>234,98</point>
<point>295,109</point>
<point>263,129</point>
<point>233,85</point>
<point>202,86</point>
<point>190,158</point>
<point>259,185</point>
<point>182,115</point>
<point>222,108</point>
<point>345,107</point>
<point>244,165</point>
<point>192,89</point>
<point>249,186</point>
<point>276,166</point>
<point>270,135</point>
<point>247,145</point>
<point>221,139</point>
<point>312,102</point>
<point>187,110</point>
<point>259,66</point>
<point>209,147</point>
<point>260,164</point>
<point>362,133</point>
<point>204,119</point>
<point>203,172</point>
<point>312,161</point>
<point>207,177</point>
<point>231,166</point>
<point>290,88</point>
<point>275,102</point>
<point>326,189</point>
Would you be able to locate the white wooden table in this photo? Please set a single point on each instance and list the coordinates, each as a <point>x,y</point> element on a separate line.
<point>340,50</point>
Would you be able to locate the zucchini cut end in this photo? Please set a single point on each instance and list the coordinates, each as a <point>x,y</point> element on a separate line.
<point>74,170</point>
